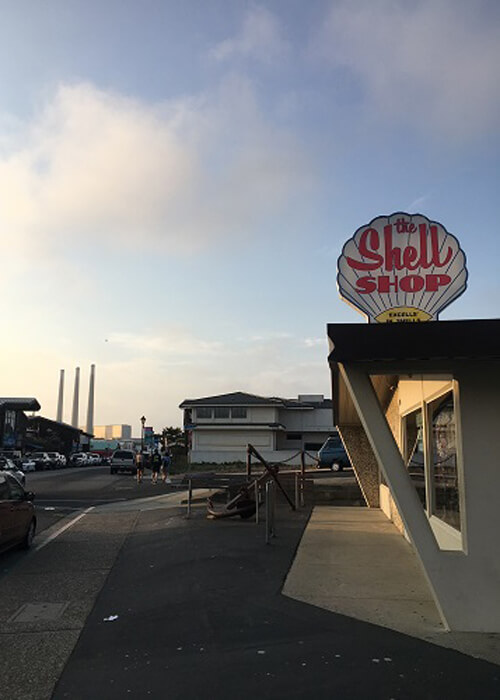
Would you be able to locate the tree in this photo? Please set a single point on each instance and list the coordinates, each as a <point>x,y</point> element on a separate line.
<point>171,434</point>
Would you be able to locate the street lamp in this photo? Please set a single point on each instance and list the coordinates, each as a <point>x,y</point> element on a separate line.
<point>143,420</point>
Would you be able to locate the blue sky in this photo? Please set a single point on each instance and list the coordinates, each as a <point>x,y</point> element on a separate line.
<point>177,180</point>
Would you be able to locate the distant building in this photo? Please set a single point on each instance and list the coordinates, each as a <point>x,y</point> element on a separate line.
<point>220,427</point>
<point>113,432</point>
<point>13,422</point>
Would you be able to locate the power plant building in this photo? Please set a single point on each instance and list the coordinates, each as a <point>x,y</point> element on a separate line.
<point>113,432</point>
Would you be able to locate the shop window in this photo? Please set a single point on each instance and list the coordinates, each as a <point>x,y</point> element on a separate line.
<point>444,473</point>
<point>238,412</point>
<point>414,452</point>
<point>222,412</point>
<point>203,412</point>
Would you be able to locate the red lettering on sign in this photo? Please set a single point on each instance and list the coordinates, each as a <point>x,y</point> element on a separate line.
<point>410,257</point>
<point>409,283</point>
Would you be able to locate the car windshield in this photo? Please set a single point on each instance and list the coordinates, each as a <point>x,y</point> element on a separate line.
<point>123,454</point>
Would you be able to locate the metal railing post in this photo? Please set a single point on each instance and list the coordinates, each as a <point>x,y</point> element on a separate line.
<point>256,502</point>
<point>273,509</point>
<point>268,512</point>
<point>296,489</point>
<point>190,495</point>
<point>249,463</point>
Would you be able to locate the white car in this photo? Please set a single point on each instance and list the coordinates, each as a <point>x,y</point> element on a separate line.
<point>41,459</point>
<point>28,465</point>
<point>79,459</point>
<point>8,465</point>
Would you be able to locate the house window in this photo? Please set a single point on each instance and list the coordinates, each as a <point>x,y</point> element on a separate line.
<point>238,412</point>
<point>203,412</point>
<point>414,452</point>
<point>222,412</point>
<point>443,448</point>
<point>294,436</point>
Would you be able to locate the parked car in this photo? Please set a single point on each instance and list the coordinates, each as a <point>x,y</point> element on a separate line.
<point>332,454</point>
<point>14,455</point>
<point>42,460</point>
<point>123,461</point>
<point>79,459</point>
<point>8,465</point>
<point>17,514</point>
<point>28,464</point>
<point>95,458</point>
<point>55,460</point>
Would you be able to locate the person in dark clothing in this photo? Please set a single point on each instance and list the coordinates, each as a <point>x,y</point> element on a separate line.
<point>155,466</point>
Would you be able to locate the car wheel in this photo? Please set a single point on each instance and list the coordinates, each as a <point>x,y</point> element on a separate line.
<point>30,535</point>
<point>336,467</point>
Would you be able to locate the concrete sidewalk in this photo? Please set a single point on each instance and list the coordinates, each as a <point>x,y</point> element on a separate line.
<point>353,561</point>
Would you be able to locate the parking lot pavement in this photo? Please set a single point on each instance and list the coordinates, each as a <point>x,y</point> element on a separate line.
<point>194,609</point>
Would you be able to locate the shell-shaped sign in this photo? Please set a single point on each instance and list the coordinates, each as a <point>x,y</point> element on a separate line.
<point>401,267</point>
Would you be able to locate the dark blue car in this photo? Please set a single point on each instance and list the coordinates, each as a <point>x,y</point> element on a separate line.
<point>332,454</point>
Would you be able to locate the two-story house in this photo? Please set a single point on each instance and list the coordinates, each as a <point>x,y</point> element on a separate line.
<point>220,427</point>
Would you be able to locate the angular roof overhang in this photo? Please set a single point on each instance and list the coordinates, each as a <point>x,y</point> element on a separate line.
<point>389,350</point>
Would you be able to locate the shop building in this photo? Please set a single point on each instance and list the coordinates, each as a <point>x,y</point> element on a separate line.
<point>418,406</point>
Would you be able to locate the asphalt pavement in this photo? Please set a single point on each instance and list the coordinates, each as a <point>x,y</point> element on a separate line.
<point>147,603</point>
<point>194,609</point>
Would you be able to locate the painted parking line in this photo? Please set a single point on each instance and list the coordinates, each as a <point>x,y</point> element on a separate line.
<point>62,529</point>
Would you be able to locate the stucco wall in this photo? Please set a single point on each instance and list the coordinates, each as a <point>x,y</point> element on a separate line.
<point>363,461</point>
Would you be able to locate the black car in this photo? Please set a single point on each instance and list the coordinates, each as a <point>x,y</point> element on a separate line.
<point>17,513</point>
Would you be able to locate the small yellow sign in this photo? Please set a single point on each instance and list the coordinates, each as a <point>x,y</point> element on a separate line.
<point>403,314</point>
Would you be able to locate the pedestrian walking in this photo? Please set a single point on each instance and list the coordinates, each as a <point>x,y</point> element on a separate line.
<point>165,467</point>
<point>139,466</point>
<point>155,466</point>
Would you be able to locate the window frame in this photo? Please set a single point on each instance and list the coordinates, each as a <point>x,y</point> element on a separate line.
<point>426,406</point>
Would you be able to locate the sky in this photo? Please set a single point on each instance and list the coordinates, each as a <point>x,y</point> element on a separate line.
<point>178,178</point>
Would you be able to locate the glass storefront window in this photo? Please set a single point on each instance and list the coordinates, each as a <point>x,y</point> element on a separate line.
<point>444,474</point>
<point>414,448</point>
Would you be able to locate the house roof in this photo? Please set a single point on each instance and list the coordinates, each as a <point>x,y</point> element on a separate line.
<point>241,398</point>
<point>235,398</point>
<point>20,404</point>
<point>57,424</point>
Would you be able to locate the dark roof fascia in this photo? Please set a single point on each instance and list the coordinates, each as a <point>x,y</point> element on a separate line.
<point>20,404</point>
<point>432,340</point>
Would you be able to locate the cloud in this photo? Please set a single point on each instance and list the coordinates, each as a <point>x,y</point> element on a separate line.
<point>261,38</point>
<point>165,342</point>
<point>151,372</point>
<point>93,167</point>
<point>431,63</point>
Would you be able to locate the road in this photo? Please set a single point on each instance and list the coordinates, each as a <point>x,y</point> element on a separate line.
<point>59,493</point>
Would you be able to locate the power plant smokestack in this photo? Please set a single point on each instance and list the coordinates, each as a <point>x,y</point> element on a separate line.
<point>90,408</point>
<point>76,399</point>
<point>60,398</point>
